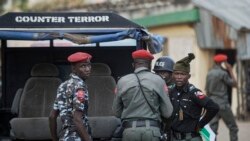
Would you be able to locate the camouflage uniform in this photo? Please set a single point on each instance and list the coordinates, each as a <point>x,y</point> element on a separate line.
<point>72,95</point>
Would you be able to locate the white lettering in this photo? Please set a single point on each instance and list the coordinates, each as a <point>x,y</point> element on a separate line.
<point>160,64</point>
<point>47,19</point>
<point>61,19</point>
<point>18,19</point>
<point>39,19</point>
<point>54,19</point>
<point>58,20</point>
<point>98,18</point>
<point>92,19</point>
<point>86,19</point>
<point>32,19</point>
<point>77,19</point>
<point>26,19</point>
<point>106,18</point>
<point>71,19</point>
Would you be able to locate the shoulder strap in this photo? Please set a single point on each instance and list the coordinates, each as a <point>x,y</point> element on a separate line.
<point>153,110</point>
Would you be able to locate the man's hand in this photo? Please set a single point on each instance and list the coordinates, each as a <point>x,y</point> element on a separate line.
<point>230,70</point>
<point>53,124</point>
<point>80,128</point>
<point>228,66</point>
<point>197,128</point>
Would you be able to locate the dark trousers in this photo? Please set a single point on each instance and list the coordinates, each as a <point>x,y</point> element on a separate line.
<point>178,136</point>
<point>227,116</point>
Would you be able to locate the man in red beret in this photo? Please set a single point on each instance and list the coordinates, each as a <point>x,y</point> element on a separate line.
<point>71,103</point>
<point>220,58</point>
<point>141,100</point>
<point>217,82</point>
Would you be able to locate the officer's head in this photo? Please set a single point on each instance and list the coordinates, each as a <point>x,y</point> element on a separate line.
<point>182,70</point>
<point>81,65</point>
<point>164,67</point>
<point>142,58</point>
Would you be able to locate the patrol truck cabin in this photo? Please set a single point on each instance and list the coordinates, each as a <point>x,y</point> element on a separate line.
<point>36,46</point>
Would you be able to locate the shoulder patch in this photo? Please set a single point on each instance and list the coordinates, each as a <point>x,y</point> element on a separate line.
<point>80,94</point>
<point>200,94</point>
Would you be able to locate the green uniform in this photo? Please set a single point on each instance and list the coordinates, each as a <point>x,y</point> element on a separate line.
<point>131,106</point>
<point>217,83</point>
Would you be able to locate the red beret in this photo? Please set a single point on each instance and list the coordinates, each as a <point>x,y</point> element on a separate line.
<point>220,58</point>
<point>79,57</point>
<point>142,54</point>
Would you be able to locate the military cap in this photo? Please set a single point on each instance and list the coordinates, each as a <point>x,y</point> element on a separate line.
<point>184,64</point>
<point>79,57</point>
<point>142,54</point>
<point>220,58</point>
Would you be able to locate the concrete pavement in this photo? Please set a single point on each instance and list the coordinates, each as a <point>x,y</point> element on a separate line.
<point>244,131</point>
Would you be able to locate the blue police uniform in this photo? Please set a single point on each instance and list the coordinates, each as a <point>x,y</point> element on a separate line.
<point>188,103</point>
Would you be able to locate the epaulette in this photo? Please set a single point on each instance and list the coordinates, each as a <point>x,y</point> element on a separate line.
<point>192,88</point>
<point>119,77</point>
<point>171,86</point>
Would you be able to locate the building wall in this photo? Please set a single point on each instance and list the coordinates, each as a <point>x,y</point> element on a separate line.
<point>181,41</point>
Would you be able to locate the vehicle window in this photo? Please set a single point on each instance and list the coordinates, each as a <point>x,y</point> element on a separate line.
<point>66,43</point>
<point>125,42</point>
<point>18,43</point>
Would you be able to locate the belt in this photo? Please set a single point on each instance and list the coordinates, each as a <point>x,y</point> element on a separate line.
<point>182,136</point>
<point>140,123</point>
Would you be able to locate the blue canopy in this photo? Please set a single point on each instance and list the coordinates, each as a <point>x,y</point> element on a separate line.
<point>154,42</point>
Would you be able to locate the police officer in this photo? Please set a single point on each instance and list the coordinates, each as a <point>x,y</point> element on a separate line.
<point>71,103</point>
<point>164,67</point>
<point>188,102</point>
<point>141,100</point>
<point>217,83</point>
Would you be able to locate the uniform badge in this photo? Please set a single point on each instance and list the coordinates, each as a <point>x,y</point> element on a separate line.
<point>80,94</point>
<point>200,95</point>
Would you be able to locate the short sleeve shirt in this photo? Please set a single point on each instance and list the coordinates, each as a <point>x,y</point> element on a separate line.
<point>72,95</point>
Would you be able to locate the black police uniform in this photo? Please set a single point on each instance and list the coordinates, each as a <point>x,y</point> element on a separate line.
<point>188,103</point>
